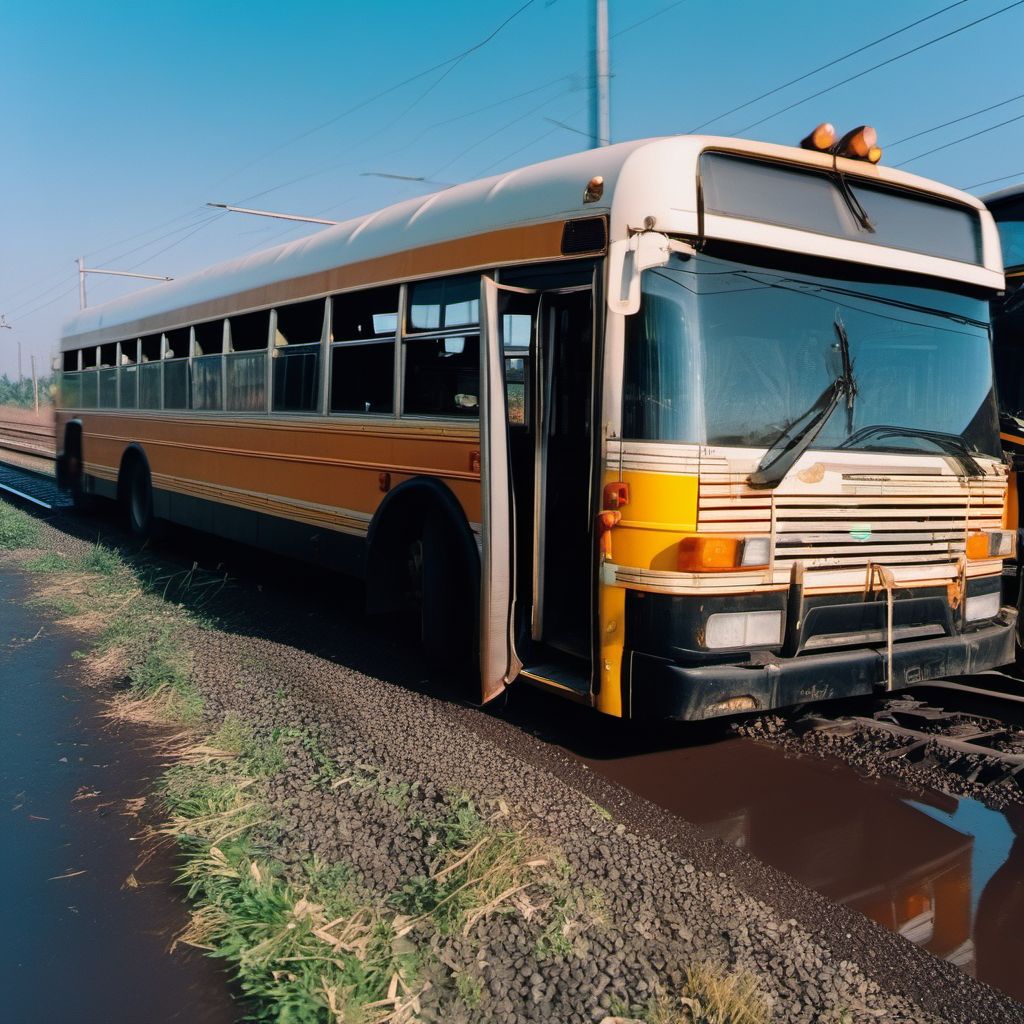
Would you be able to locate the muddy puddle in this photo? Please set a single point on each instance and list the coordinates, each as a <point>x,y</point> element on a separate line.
<point>946,873</point>
<point>86,930</point>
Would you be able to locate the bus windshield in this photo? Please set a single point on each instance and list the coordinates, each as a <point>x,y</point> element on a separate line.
<point>730,353</point>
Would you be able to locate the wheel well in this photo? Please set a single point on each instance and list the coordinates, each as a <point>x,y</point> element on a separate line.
<point>397,523</point>
<point>132,456</point>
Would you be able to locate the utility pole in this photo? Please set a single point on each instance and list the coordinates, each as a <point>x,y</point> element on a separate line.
<point>19,363</point>
<point>81,282</point>
<point>600,118</point>
<point>35,385</point>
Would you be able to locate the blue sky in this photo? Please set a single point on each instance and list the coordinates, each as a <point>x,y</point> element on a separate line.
<point>119,121</point>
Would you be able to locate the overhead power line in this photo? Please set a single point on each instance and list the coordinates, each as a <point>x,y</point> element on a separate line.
<point>964,138</point>
<point>382,93</point>
<point>992,181</point>
<point>882,64</point>
<point>956,120</point>
<point>831,63</point>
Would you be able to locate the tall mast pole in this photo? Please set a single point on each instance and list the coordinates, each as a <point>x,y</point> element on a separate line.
<point>81,282</point>
<point>600,118</point>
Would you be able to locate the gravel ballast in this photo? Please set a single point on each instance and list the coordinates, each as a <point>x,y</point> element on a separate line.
<point>655,894</point>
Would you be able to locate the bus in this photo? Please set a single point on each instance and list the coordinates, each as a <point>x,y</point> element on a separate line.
<point>677,428</point>
<point>1007,207</point>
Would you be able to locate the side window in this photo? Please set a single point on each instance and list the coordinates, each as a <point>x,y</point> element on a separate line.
<point>128,375</point>
<point>442,349</point>
<point>108,376</point>
<point>297,356</point>
<point>363,330</point>
<point>517,335</point>
<point>208,366</point>
<point>70,381</point>
<point>245,385</point>
<point>90,377</point>
<point>151,373</point>
<point>176,376</point>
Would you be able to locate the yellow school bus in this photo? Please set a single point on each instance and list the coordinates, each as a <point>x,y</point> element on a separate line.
<point>676,428</point>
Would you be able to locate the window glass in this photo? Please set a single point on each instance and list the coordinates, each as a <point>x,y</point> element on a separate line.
<point>444,303</point>
<point>129,351</point>
<point>301,323</point>
<point>363,378</point>
<point>71,390</point>
<point>207,382</point>
<point>516,388</point>
<point>245,381</point>
<point>812,201</point>
<point>90,388</point>
<point>369,314</point>
<point>108,388</point>
<point>249,331</point>
<point>151,348</point>
<point>209,337</point>
<point>1009,215</point>
<point>129,387</point>
<point>89,357</point>
<point>442,376</point>
<point>728,353</point>
<point>70,361</point>
<point>108,354</point>
<point>150,384</point>
<point>297,378</point>
<point>176,384</point>
<point>177,345</point>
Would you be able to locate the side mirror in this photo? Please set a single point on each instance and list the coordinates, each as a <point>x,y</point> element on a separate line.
<point>629,258</point>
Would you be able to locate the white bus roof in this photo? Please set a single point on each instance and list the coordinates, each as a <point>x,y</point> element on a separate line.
<point>648,178</point>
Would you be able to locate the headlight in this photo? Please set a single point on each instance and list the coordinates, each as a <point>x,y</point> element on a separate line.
<point>743,629</point>
<point>984,606</point>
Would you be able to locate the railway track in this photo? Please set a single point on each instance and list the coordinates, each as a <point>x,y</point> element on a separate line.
<point>27,461</point>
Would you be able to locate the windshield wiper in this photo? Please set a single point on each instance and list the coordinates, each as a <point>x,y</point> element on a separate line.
<point>790,444</point>
<point>951,444</point>
<point>858,211</point>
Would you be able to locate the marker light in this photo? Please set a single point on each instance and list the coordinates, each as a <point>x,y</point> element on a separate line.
<point>594,189</point>
<point>990,544</point>
<point>722,554</point>
<point>875,154</point>
<point>820,139</point>
<point>859,143</point>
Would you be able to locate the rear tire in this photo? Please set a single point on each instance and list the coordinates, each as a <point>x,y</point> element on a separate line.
<point>139,496</point>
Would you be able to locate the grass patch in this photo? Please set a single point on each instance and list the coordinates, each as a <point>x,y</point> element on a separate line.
<point>713,996</point>
<point>50,561</point>
<point>17,529</point>
<point>100,559</point>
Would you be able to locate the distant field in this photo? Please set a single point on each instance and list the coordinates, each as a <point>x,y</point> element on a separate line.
<point>16,414</point>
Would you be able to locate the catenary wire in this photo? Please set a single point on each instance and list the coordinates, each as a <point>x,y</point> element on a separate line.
<point>992,181</point>
<point>831,63</point>
<point>882,64</point>
<point>963,138</point>
<point>956,120</point>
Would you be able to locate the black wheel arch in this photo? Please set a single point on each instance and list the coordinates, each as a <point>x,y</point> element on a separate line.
<point>398,521</point>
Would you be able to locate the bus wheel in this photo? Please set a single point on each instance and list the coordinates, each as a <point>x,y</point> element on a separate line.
<point>140,500</point>
<point>444,599</point>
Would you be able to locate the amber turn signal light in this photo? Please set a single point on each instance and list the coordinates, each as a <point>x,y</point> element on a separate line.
<point>722,554</point>
<point>820,139</point>
<point>859,143</point>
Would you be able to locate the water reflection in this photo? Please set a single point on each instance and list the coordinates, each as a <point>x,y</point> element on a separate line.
<point>948,875</point>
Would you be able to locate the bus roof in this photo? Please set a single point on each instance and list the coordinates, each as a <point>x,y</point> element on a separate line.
<point>520,213</point>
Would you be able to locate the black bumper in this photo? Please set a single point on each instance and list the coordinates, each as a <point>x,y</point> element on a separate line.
<point>663,689</point>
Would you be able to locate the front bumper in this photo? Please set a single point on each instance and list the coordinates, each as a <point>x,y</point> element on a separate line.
<point>659,688</point>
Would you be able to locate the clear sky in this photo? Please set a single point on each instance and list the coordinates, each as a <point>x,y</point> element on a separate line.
<point>119,121</point>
